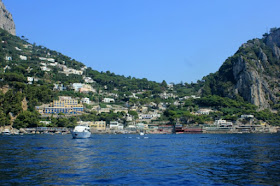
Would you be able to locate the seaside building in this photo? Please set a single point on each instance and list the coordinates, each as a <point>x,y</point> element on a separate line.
<point>65,105</point>
<point>114,125</point>
<point>98,125</point>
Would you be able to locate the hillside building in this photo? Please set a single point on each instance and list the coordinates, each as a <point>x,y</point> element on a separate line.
<point>85,100</point>
<point>204,111</point>
<point>8,58</point>
<point>30,80</point>
<point>24,58</point>
<point>108,100</point>
<point>65,105</point>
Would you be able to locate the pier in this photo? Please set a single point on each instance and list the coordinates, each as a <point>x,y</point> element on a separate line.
<point>46,130</point>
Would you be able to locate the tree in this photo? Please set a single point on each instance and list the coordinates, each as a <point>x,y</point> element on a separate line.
<point>133,113</point>
<point>3,119</point>
<point>26,119</point>
<point>164,84</point>
<point>63,122</point>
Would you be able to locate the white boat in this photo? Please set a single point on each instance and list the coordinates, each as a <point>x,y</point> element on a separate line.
<point>81,131</point>
<point>6,132</point>
<point>142,133</point>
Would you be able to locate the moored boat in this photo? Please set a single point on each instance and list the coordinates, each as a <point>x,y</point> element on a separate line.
<point>81,131</point>
<point>6,132</point>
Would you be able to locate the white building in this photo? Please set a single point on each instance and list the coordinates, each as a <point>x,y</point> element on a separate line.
<point>68,71</point>
<point>8,58</point>
<point>44,68</point>
<point>114,125</point>
<point>149,116</point>
<point>50,60</point>
<point>165,95</point>
<point>43,58</point>
<point>46,122</point>
<point>88,80</point>
<point>223,123</point>
<point>131,128</point>
<point>28,46</point>
<point>84,68</point>
<point>77,86</point>
<point>247,116</point>
<point>195,97</point>
<point>129,117</point>
<point>53,64</point>
<point>23,57</point>
<point>30,80</point>
<point>18,49</point>
<point>204,111</point>
<point>85,100</point>
<point>170,86</point>
<point>59,87</point>
<point>108,100</point>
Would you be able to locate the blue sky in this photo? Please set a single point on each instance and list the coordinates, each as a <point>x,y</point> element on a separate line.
<point>172,40</point>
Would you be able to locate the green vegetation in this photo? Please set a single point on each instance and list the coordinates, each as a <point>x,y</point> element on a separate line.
<point>223,108</point>
<point>21,97</point>
<point>27,119</point>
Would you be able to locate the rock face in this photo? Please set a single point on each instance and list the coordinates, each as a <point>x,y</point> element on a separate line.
<point>6,20</point>
<point>252,73</point>
<point>251,85</point>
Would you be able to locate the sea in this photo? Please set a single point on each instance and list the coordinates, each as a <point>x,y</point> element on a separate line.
<point>122,159</point>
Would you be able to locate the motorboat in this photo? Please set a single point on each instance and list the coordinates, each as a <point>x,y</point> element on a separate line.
<point>6,132</point>
<point>81,131</point>
<point>142,133</point>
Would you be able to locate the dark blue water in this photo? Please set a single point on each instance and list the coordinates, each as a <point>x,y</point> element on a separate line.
<point>209,159</point>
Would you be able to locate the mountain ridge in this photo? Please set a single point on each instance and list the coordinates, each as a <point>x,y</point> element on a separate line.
<point>6,20</point>
<point>252,72</point>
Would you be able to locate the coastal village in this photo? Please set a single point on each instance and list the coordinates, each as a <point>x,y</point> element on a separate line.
<point>147,119</point>
<point>145,122</point>
<point>146,116</point>
<point>50,85</point>
<point>64,122</point>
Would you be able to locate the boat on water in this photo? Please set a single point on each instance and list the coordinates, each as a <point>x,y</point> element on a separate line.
<point>6,132</point>
<point>142,133</point>
<point>81,131</point>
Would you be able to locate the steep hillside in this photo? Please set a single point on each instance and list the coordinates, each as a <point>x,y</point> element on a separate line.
<point>6,20</point>
<point>32,75</point>
<point>20,61</point>
<point>251,73</point>
<point>19,57</point>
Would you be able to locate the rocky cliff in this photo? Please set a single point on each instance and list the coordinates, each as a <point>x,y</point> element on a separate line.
<point>252,73</point>
<point>6,20</point>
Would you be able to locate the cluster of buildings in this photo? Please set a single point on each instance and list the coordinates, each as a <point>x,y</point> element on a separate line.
<point>117,127</point>
<point>65,105</point>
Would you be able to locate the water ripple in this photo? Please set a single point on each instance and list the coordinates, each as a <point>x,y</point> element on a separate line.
<point>202,159</point>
